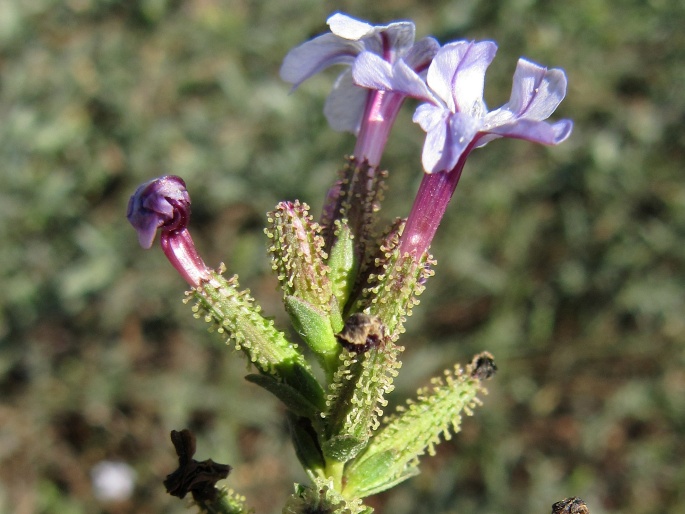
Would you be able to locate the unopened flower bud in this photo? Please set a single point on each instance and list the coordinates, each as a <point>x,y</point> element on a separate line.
<point>160,203</point>
<point>164,203</point>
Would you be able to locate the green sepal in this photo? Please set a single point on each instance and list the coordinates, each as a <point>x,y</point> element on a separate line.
<point>393,284</point>
<point>306,444</point>
<point>297,254</point>
<point>355,197</point>
<point>291,398</point>
<point>413,430</point>
<point>323,498</point>
<point>343,268</point>
<point>356,397</point>
<point>342,448</point>
<point>227,501</point>
<point>315,328</point>
<point>233,312</point>
<point>378,475</point>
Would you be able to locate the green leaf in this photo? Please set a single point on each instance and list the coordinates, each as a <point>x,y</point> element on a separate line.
<point>379,474</point>
<point>306,445</point>
<point>393,452</point>
<point>291,398</point>
<point>342,448</point>
<point>356,397</point>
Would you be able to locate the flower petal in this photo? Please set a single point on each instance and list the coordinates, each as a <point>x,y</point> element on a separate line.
<point>311,57</point>
<point>421,54</point>
<point>447,136</point>
<point>531,130</point>
<point>429,116</point>
<point>344,107</point>
<point>395,38</point>
<point>348,27</point>
<point>389,41</point>
<point>433,120</point>
<point>457,75</point>
<point>370,71</point>
<point>536,91</point>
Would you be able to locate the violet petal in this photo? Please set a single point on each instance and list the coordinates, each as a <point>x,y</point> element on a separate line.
<point>345,104</point>
<point>532,130</point>
<point>370,71</point>
<point>311,57</point>
<point>457,74</point>
<point>536,91</point>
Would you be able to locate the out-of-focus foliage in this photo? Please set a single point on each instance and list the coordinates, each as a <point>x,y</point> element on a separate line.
<point>567,263</point>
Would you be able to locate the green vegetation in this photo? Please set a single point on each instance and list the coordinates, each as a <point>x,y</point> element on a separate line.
<point>568,264</point>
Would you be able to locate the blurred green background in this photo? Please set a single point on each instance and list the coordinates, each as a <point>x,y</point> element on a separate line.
<point>567,263</point>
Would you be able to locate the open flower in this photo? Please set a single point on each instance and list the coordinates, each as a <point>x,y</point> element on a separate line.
<point>456,120</point>
<point>348,38</point>
<point>454,115</point>
<point>164,204</point>
<point>369,114</point>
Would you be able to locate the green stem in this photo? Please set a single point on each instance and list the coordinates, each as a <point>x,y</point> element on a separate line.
<point>334,471</point>
<point>224,503</point>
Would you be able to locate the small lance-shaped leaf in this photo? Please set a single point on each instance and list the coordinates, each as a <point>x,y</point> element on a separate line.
<point>228,502</point>
<point>322,498</point>
<point>234,312</point>
<point>306,444</point>
<point>232,503</point>
<point>294,400</point>
<point>297,254</point>
<point>392,455</point>
<point>356,197</point>
<point>356,398</point>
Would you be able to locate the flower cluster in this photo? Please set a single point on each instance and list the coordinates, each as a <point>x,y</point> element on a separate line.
<point>385,64</point>
<point>348,290</point>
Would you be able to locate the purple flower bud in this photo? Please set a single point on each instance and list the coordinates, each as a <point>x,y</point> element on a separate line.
<point>164,203</point>
<point>160,203</point>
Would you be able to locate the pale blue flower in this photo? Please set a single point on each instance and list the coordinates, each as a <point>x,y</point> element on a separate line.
<point>454,115</point>
<point>349,38</point>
